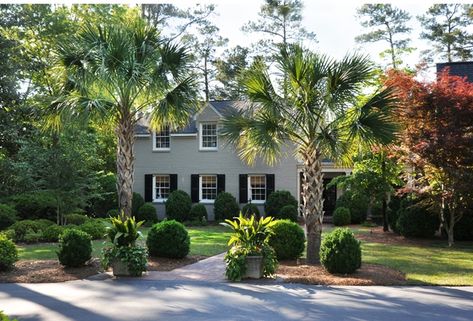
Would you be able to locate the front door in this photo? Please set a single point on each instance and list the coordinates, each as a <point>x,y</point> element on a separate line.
<point>329,195</point>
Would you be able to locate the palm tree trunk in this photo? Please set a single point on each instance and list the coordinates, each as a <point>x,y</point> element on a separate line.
<point>125,164</point>
<point>312,207</point>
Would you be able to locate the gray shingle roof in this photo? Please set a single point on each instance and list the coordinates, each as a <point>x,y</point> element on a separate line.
<point>462,69</point>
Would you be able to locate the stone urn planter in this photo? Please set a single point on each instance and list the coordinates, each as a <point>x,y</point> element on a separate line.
<point>120,268</point>
<point>254,267</point>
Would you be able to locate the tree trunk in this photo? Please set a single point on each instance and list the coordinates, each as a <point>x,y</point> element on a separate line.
<point>125,163</point>
<point>451,225</point>
<point>312,207</point>
<point>369,210</point>
<point>385,216</point>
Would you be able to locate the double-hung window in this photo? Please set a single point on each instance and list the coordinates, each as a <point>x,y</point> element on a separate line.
<point>162,140</point>
<point>257,188</point>
<point>162,186</point>
<point>208,136</point>
<point>207,188</point>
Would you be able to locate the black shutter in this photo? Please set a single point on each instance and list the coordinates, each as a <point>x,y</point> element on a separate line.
<point>148,187</point>
<point>243,188</point>
<point>269,184</point>
<point>220,183</point>
<point>172,182</point>
<point>195,188</point>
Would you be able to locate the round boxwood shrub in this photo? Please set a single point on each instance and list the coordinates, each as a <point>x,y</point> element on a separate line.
<point>288,240</point>
<point>21,228</point>
<point>198,212</point>
<point>250,209</point>
<point>356,203</point>
<point>7,216</point>
<point>147,212</point>
<point>340,252</point>
<point>76,219</point>
<point>51,233</point>
<point>341,216</point>
<point>136,204</point>
<point>8,253</point>
<point>276,201</point>
<point>168,239</point>
<point>288,212</point>
<point>225,206</point>
<point>416,221</point>
<point>94,228</point>
<point>178,206</point>
<point>34,205</point>
<point>75,248</point>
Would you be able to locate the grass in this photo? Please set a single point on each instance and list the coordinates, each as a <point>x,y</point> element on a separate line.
<point>205,240</point>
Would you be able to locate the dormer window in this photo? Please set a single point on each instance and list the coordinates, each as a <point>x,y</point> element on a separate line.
<point>162,141</point>
<point>208,136</point>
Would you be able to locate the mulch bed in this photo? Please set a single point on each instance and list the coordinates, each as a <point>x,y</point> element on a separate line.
<point>377,235</point>
<point>368,274</point>
<point>50,271</point>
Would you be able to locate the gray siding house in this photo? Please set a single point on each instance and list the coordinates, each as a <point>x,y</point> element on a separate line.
<point>199,161</point>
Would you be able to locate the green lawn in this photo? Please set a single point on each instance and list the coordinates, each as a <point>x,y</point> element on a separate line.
<point>205,240</point>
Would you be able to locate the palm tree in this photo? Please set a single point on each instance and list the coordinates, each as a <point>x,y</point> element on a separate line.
<point>119,73</point>
<point>322,111</point>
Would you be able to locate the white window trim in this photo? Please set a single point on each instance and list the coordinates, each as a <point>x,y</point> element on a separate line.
<point>165,149</point>
<point>200,137</point>
<point>249,189</point>
<point>160,200</point>
<point>205,201</point>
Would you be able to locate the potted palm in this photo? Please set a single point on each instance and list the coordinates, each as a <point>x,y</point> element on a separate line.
<point>124,255</point>
<point>250,256</point>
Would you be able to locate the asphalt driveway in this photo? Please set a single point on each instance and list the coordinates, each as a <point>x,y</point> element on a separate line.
<point>136,300</point>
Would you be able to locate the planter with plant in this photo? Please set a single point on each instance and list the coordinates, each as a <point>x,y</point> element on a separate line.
<point>250,256</point>
<point>124,255</point>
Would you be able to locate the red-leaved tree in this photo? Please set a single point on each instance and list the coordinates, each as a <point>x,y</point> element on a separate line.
<point>437,141</point>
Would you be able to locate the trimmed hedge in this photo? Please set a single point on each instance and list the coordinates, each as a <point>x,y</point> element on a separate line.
<point>147,212</point>
<point>21,228</point>
<point>340,251</point>
<point>416,221</point>
<point>198,213</point>
<point>250,209</point>
<point>75,248</point>
<point>136,204</point>
<point>178,206</point>
<point>288,240</point>
<point>276,201</point>
<point>8,253</point>
<point>94,228</point>
<point>168,239</point>
<point>76,219</point>
<point>225,206</point>
<point>52,233</point>
<point>288,212</point>
<point>8,216</point>
<point>341,216</point>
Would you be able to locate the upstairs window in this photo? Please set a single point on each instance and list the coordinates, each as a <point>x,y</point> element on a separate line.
<point>162,139</point>
<point>162,187</point>
<point>208,136</point>
<point>208,187</point>
<point>257,188</point>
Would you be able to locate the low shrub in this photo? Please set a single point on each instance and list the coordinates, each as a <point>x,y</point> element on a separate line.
<point>9,234</point>
<point>113,212</point>
<point>8,216</point>
<point>44,223</point>
<point>75,248</point>
<point>250,209</point>
<point>357,204</point>
<point>52,233</point>
<point>198,213</point>
<point>168,239</point>
<point>225,206</point>
<point>178,206</point>
<point>34,205</point>
<point>147,212</point>
<point>94,228</point>
<point>340,252</point>
<point>136,203</point>
<point>288,240</point>
<point>76,219</point>
<point>4,317</point>
<point>33,237</point>
<point>276,201</point>
<point>341,216</point>
<point>8,253</point>
<point>21,228</point>
<point>416,221</point>
<point>288,212</point>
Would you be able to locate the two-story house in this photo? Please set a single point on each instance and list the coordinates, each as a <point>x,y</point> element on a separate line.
<point>198,161</point>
